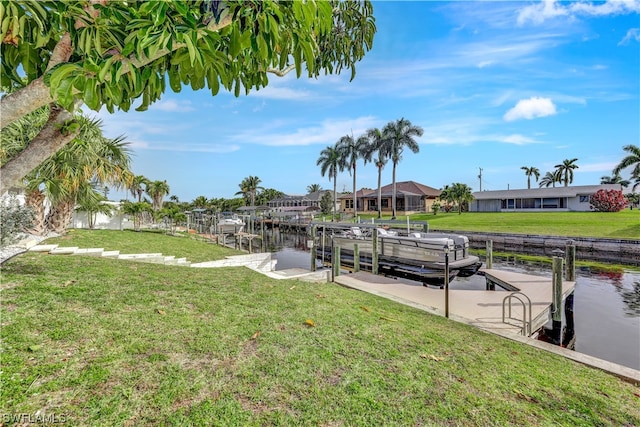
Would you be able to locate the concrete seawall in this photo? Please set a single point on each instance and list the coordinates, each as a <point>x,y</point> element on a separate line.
<point>619,251</point>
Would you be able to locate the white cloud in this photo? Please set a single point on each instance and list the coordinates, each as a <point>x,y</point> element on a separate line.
<point>632,35</point>
<point>517,139</point>
<point>548,9</point>
<point>540,12</point>
<point>599,167</point>
<point>273,92</point>
<point>328,132</point>
<point>531,108</point>
<point>172,106</point>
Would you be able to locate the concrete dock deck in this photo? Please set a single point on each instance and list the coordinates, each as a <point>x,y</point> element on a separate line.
<point>479,308</point>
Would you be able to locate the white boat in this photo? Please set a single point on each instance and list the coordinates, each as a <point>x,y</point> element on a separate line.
<point>229,222</point>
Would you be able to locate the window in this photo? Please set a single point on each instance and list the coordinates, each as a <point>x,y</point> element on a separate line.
<point>584,199</point>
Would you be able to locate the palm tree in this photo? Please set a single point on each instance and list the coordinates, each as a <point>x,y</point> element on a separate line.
<point>249,188</point>
<point>157,190</point>
<point>330,163</point>
<point>136,210</point>
<point>461,194</point>
<point>314,188</point>
<point>351,150</point>
<point>399,135</point>
<point>136,188</point>
<point>200,202</point>
<point>615,179</point>
<point>549,179</point>
<point>565,171</point>
<point>631,161</point>
<point>529,172</point>
<point>376,145</point>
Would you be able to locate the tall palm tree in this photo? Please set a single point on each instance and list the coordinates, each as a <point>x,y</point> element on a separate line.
<point>138,185</point>
<point>249,188</point>
<point>330,162</point>
<point>399,135</point>
<point>351,150</point>
<point>157,190</point>
<point>549,179</point>
<point>376,145</point>
<point>631,161</point>
<point>565,171</point>
<point>312,188</point>
<point>200,202</point>
<point>529,172</point>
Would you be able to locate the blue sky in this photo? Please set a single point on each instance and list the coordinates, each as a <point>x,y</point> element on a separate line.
<point>495,85</point>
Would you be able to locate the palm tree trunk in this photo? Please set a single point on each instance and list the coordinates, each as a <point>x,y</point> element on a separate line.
<point>59,216</point>
<point>355,198</point>
<point>379,192</point>
<point>35,200</point>
<point>393,195</point>
<point>335,185</point>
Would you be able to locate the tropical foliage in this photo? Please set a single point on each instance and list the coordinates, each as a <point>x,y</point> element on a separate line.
<point>113,53</point>
<point>632,161</point>
<point>249,188</point>
<point>608,201</point>
<point>564,171</point>
<point>14,219</point>
<point>549,179</point>
<point>312,188</point>
<point>331,162</point>
<point>351,150</point>
<point>529,172</point>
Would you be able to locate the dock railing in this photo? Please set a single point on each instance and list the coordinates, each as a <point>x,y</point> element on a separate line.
<point>507,303</point>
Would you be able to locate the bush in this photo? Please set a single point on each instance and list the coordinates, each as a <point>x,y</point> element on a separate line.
<point>608,201</point>
<point>14,219</point>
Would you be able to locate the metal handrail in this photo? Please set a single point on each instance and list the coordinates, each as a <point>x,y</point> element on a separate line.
<point>526,328</point>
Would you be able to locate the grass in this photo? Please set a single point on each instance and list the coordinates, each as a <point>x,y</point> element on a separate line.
<point>108,342</point>
<point>618,225</point>
<point>148,241</point>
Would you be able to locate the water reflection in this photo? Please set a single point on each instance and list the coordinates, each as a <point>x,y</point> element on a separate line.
<point>631,299</point>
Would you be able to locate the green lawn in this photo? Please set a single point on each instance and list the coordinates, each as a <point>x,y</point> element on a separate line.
<point>108,342</point>
<point>619,225</point>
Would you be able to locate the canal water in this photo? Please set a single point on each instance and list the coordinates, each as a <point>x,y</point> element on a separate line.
<point>606,304</point>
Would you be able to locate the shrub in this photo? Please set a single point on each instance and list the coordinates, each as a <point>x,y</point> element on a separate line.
<point>14,219</point>
<point>608,201</point>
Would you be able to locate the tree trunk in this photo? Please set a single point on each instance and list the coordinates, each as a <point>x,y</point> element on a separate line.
<point>59,216</point>
<point>45,144</point>
<point>335,185</point>
<point>393,197</point>
<point>35,200</point>
<point>379,193</point>
<point>355,197</point>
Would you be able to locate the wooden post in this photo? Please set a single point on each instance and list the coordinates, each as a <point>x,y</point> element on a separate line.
<point>556,305</point>
<point>489,257</point>
<point>571,261</point>
<point>335,258</point>
<point>356,258</point>
<point>313,247</point>
<point>446,283</point>
<point>374,252</point>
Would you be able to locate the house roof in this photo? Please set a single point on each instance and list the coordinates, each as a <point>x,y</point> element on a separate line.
<point>360,193</point>
<point>573,191</point>
<point>406,188</point>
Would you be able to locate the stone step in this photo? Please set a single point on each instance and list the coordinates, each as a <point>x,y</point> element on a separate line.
<point>110,254</point>
<point>135,257</point>
<point>89,251</point>
<point>42,248</point>
<point>63,250</point>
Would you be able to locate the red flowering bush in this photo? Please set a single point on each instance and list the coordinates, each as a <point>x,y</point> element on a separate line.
<point>608,201</point>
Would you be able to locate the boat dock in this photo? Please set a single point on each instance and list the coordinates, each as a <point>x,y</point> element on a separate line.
<point>480,308</point>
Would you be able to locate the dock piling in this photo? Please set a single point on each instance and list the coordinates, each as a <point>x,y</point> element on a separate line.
<point>556,305</point>
<point>570,273</point>
<point>356,258</point>
<point>335,258</point>
<point>489,257</point>
<point>313,248</point>
<point>374,252</point>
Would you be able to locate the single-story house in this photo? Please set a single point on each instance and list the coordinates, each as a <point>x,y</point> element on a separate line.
<point>556,199</point>
<point>411,197</point>
<point>308,200</point>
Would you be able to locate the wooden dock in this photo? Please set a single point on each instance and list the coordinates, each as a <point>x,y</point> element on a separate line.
<point>480,308</point>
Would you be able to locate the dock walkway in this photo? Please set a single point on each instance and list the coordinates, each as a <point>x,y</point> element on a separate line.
<point>479,308</point>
